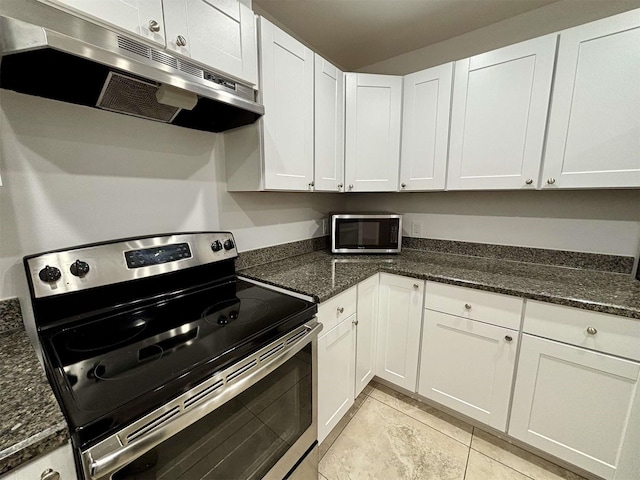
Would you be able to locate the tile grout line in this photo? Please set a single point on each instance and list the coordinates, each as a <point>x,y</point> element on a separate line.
<point>466,465</point>
<point>426,425</point>
<point>509,466</point>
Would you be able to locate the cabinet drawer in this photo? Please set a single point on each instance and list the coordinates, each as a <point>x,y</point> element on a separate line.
<point>488,307</point>
<point>336,309</point>
<point>610,334</point>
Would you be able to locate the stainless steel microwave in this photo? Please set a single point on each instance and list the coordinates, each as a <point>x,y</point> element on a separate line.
<point>366,233</point>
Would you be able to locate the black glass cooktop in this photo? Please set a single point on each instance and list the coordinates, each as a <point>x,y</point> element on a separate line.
<point>114,368</point>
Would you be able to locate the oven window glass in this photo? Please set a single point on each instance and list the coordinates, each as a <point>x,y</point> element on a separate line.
<point>367,233</point>
<point>242,439</point>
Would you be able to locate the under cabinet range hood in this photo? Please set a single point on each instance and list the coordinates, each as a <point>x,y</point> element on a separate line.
<point>52,54</point>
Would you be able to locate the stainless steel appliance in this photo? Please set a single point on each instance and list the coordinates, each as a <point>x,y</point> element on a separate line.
<point>373,232</point>
<point>52,54</point>
<point>168,365</point>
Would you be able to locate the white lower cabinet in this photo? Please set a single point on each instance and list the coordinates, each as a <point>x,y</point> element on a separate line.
<point>366,332</point>
<point>59,460</point>
<point>580,404</point>
<point>399,324</point>
<point>336,377</point>
<point>468,366</point>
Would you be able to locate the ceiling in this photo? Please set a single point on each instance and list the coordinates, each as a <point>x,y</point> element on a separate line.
<point>357,33</point>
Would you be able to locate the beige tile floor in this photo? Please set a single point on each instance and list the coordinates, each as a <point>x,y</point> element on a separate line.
<point>387,435</point>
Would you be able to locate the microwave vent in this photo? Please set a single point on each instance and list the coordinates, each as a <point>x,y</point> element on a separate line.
<point>131,96</point>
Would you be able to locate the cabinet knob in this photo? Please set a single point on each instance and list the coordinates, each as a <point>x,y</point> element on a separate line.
<point>350,187</point>
<point>340,185</point>
<point>551,181</point>
<point>50,474</point>
<point>508,338</point>
<point>529,181</point>
<point>312,184</point>
<point>354,321</point>
<point>591,331</point>
<point>154,26</point>
<point>467,306</point>
<point>416,286</point>
<point>403,185</point>
<point>340,309</point>
<point>181,41</point>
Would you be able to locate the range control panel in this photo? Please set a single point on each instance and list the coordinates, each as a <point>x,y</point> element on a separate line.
<point>156,255</point>
<point>108,263</point>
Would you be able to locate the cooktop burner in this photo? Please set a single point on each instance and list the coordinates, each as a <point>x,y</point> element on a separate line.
<point>111,361</point>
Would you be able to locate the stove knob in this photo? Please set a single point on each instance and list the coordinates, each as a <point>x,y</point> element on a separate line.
<point>228,244</point>
<point>216,246</point>
<point>49,274</point>
<point>79,268</point>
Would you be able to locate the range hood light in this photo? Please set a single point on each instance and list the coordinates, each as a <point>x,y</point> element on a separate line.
<point>176,97</point>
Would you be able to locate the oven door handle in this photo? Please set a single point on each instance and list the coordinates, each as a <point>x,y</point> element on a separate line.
<point>116,453</point>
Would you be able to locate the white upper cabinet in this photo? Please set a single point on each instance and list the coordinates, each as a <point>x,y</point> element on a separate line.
<point>143,18</point>
<point>425,128</point>
<point>498,116</point>
<point>217,33</point>
<point>594,123</point>
<point>372,126</point>
<point>287,95</point>
<point>329,127</point>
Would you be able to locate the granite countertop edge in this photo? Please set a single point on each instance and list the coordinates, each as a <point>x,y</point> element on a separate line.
<point>322,294</point>
<point>34,446</point>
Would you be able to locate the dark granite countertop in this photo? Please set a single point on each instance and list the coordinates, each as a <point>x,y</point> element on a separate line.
<point>323,275</point>
<point>31,422</point>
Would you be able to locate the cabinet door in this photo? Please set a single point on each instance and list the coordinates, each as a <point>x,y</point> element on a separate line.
<point>372,126</point>
<point>287,93</point>
<point>329,127</point>
<point>576,404</point>
<point>366,332</point>
<point>131,16</point>
<point>399,323</point>
<point>217,33</point>
<point>498,116</point>
<point>425,128</point>
<point>594,125</point>
<point>336,377</point>
<point>468,366</point>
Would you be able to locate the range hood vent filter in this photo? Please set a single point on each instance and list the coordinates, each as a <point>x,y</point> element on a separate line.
<point>131,96</point>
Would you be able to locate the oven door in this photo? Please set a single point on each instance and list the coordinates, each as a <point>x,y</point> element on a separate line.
<point>256,419</point>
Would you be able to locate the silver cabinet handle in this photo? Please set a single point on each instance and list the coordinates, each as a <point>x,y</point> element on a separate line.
<point>154,26</point>
<point>551,181</point>
<point>50,474</point>
<point>467,306</point>
<point>508,338</point>
<point>340,185</point>
<point>354,321</point>
<point>312,184</point>
<point>591,331</point>
<point>403,185</point>
<point>181,41</point>
<point>350,187</point>
<point>416,286</point>
<point>529,181</point>
<point>340,309</point>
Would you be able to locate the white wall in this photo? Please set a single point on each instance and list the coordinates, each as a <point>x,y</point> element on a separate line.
<point>598,221</point>
<point>74,175</point>
<point>548,19</point>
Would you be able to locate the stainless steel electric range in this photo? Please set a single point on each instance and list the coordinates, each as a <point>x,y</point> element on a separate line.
<point>168,365</point>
